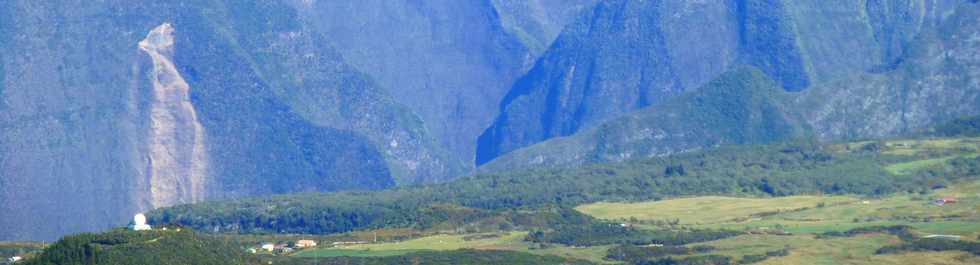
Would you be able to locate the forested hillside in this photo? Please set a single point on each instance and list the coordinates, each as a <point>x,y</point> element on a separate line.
<point>120,246</point>
<point>444,116</point>
<point>761,170</point>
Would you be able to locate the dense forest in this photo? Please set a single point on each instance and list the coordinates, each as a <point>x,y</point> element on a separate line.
<point>758,170</point>
<point>122,246</point>
<point>965,126</point>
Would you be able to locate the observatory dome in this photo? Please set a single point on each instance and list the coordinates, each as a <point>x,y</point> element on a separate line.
<point>139,222</point>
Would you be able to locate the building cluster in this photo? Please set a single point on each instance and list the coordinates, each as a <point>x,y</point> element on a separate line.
<point>281,248</point>
<point>944,200</point>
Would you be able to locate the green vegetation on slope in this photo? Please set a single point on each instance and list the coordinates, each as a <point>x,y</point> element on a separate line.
<point>815,214</point>
<point>966,126</point>
<point>453,257</point>
<point>122,246</point>
<point>790,198</point>
<point>839,227</point>
<point>768,170</point>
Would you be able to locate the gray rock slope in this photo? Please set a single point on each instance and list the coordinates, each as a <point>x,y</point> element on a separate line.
<point>624,55</point>
<point>919,68</point>
<point>449,61</point>
<point>223,99</point>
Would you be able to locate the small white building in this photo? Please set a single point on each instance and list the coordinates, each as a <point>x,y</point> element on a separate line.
<point>947,237</point>
<point>305,243</point>
<point>139,223</point>
<point>268,247</point>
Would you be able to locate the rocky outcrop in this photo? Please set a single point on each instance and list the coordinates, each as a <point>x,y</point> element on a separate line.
<point>624,55</point>
<point>177,160</point>
<point>742,106</point>
<point>936,79</point>
<point>449,61</point>
<point>244,100</point>
<point>618,57</point>
<point>931,78</point>
<point>537,22</point>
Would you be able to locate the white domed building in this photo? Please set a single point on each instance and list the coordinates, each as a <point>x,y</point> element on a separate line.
<point>139,223</point>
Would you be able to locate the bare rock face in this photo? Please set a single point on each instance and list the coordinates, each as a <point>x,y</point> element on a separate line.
<point>106,111</point>
<point>625,55</point>
<point>869,69</point>
<point>448,61</point>
<point>177,159</point>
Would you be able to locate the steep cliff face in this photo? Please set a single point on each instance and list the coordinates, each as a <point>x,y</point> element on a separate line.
<point>654,49</point>
<point>449,61</point>
<point>537,22</point>
<point>930,79</point>
<point>742,106</point>
<point>69,127</point>
<point>177,160</point>
<point>115,107</point>
<point>620,56</point>
<point>308,74</point>
<point>936,79</point>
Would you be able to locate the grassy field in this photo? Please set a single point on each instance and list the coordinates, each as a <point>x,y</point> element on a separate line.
<point>708,209</point>
<point>806,249</point>
<point>809,214</point>
<point>447,242</point>
<point>802,216</point>
<point>510,240</point>
<point>504,241</point>
<point>817,214</point>
<point>329,252</point>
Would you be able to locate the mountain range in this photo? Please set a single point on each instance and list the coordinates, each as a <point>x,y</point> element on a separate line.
<point>109,108</point>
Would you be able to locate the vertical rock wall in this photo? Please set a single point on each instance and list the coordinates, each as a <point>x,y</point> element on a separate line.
<point>176,153</point>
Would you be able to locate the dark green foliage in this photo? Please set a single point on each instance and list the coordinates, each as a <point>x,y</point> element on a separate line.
<point>911,241</point>
<point>121,246</point>
<point>455,257</point>
<point>577,229</point>
<point>967,126</point>
<point>695,260</point>
<point>933,244</point>
<point>902,231</point>
<point>963,167</point>
<point>635,254</point>
<point>749,259</point>
<point>775,170</point>
<point>10,249</point>
<point>605,233</point>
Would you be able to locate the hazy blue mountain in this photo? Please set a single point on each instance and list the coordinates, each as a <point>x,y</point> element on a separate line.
<point>108,108</point>
<point>742,106</point>
<point>449,61</point>
<point>537,22</point>
<point>114,107</point>
<point>932,79</point>
<point>624,55</point>
<point>936,79</point>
